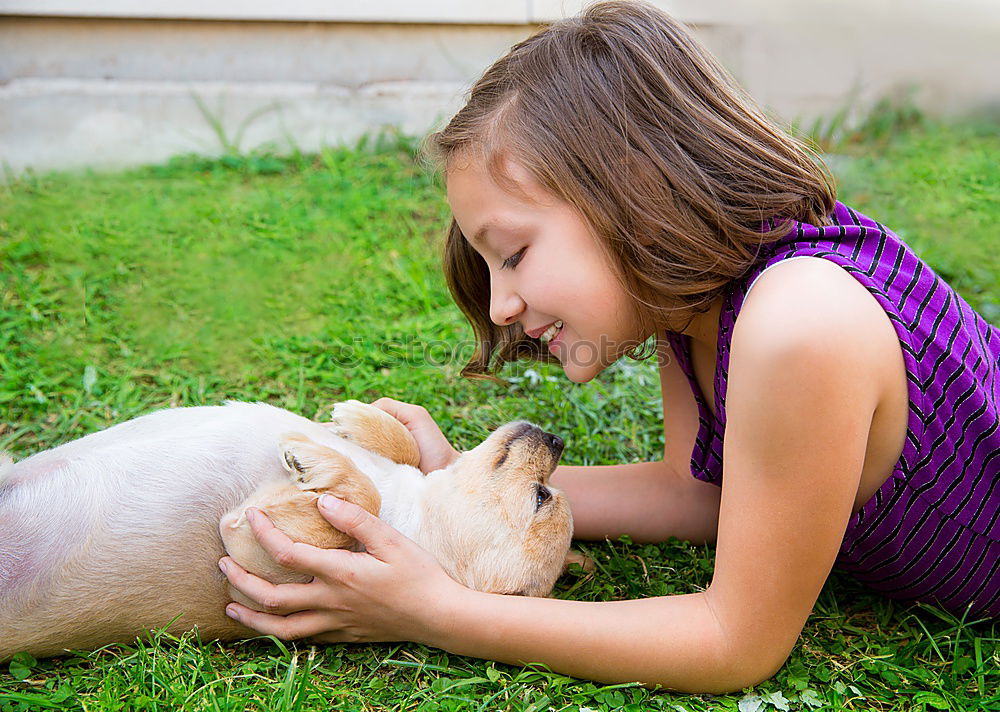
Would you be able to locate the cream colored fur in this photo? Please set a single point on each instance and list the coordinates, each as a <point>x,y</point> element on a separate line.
<point>119,531</point>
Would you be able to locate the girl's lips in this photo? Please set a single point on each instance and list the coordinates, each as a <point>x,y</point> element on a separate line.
<point>537,333</point>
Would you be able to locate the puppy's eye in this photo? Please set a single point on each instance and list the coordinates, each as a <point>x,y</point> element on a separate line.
<point>542,495</point>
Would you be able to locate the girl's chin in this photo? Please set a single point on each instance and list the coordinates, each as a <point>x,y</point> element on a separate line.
<point>581,374</point>
<point>579,362</point>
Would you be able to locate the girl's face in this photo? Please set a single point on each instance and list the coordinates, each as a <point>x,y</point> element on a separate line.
<point>546,268</point>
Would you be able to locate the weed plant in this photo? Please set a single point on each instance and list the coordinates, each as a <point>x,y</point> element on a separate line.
<point>306,280</point>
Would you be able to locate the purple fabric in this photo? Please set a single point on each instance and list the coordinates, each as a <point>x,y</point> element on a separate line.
<point>932,531</point>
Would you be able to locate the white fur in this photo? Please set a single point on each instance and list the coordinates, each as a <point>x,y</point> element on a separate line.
<point>119,530</point>
<point>147,475</point>
<point>6,467</point>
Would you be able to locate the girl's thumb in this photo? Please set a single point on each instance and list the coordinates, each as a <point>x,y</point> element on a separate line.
<point>354,521</point>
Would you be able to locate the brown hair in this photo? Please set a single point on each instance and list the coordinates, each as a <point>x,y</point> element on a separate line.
<point>622,114</point>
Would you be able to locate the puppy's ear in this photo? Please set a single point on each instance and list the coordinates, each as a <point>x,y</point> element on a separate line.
<point>374,429</point>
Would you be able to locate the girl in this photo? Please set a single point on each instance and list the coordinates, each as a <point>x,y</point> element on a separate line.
<point>834,400</point>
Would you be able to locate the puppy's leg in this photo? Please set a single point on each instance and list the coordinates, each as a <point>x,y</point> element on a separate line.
<point>316,469</point>
<point>375,430</point>
<point>291,506</point>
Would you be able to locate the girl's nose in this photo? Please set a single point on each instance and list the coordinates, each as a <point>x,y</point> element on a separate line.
<point>505,305</point>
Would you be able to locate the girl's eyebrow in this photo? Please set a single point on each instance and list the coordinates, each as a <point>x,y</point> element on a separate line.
<point>481,232</point>
<point>491,224</point>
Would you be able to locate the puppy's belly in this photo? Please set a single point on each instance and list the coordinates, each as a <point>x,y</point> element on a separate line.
<point>97,577</point>
<point>242,546</point>
<point>90,611</point>
<point>118,532</point>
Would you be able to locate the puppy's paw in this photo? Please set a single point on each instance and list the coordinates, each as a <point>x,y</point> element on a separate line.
<point>317,469</point>
<point>309,464</point>
<point>351,419</point>
<point>295,468</point>
<point>374,429</point>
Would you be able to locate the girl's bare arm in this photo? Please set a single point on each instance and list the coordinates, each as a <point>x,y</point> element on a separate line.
<point>804,382</point>
<point>649,501</point>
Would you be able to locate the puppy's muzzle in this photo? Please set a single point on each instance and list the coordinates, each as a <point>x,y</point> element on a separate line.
<point>553,442</point>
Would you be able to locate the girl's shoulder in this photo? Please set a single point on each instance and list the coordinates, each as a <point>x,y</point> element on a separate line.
<point>834,287</point>
<point>811,348</point>
<point>811,305</point>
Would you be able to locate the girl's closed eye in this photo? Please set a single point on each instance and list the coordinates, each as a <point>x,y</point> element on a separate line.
<point>511,262</point>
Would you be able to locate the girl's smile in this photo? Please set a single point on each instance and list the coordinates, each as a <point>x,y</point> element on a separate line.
<point>551,335</point>
<point>547,270</point>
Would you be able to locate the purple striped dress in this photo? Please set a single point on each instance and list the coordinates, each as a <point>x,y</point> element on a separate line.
<point>932,531</point>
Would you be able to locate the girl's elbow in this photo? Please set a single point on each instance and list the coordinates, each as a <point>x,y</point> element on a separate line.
<point>724,677</point>
<point>747,652</point>
<point>743,666</point>
<point>748,674</point>
<point>727,654</point>
<point>740,659</point>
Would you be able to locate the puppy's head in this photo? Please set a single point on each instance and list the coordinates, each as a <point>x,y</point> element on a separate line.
<point>493,520</point>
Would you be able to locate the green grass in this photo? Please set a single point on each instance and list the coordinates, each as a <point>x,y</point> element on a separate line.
<point>302,281</point>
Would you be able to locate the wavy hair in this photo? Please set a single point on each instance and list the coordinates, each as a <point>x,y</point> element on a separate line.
<point>620,112</point>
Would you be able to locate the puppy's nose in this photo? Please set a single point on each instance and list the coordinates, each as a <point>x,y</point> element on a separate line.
<point>554,442</point>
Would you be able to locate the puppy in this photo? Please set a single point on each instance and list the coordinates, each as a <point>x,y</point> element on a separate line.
<point>121,531</point>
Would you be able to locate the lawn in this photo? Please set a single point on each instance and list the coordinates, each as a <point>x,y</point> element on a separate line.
<point>306,280</point>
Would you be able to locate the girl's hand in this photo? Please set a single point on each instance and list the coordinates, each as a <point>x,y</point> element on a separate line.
<point>384,594</point>
<point>435,450</point>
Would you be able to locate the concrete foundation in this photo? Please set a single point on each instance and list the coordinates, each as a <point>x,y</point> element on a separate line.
<point>109,91</point>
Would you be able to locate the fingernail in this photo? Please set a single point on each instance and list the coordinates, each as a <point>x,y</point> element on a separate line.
<point>329,502</point>
<point>232,613</point>
<point>251,514</point>
<point>222,567</point>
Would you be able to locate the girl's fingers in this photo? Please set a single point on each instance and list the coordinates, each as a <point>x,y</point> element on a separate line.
<point>377,537</point>
<point>435,450</point>
<point>405,413</point>
<point>277,599</point>
<point>291,627</point>
<point>285,552</point>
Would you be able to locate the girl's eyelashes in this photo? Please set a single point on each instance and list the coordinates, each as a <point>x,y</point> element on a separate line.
<point>511,262</point>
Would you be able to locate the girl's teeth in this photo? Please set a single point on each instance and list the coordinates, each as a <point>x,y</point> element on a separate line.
<point>551,332</point>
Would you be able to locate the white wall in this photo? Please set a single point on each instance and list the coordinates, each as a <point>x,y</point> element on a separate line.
<point>117,82</point>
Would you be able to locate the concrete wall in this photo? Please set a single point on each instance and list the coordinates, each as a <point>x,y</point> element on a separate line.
<point>130,85</point>
<point>111,92</point>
